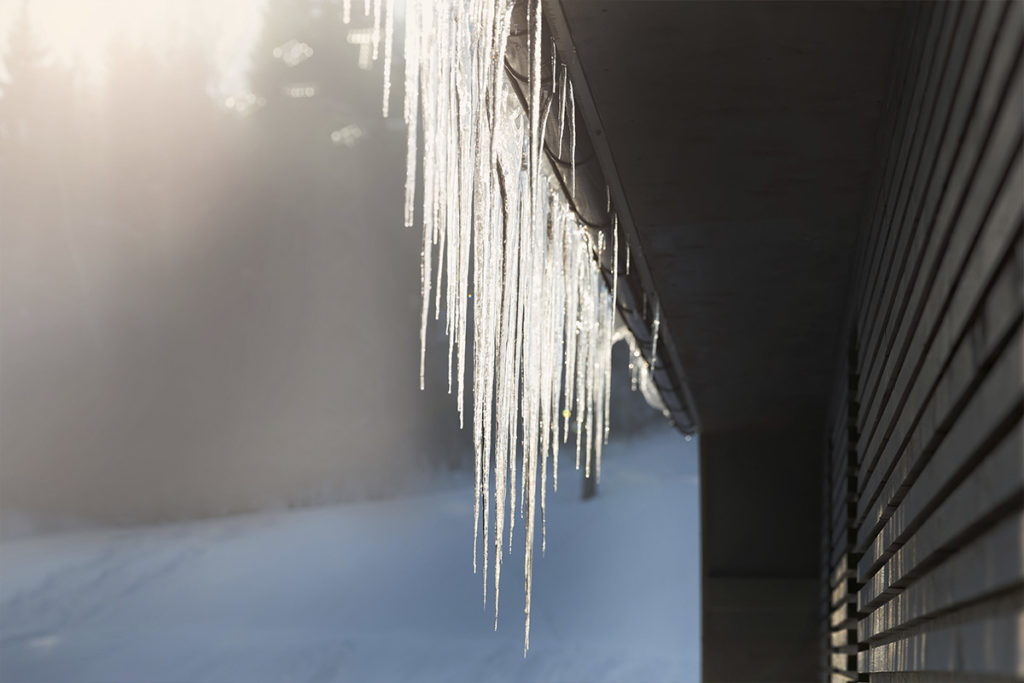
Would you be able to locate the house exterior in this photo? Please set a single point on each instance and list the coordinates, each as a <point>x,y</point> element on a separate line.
<point>826,199</point>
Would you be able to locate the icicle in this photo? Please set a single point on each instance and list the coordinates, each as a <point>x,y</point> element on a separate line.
<point>389,39</point>
<point>583,358</point>
<point>655,327</point>
<point>410,112</point>
<point>529,427</point>
<point>530,446</point>
<point>590,370</point>
<point>425,260</point>
<point>503,250</point>
<point>561,110</point>
<point>572,140</point>
<point>611,323</point>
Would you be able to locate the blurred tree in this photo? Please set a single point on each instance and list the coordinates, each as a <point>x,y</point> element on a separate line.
<point>37,97</point>
<point>24,63</point>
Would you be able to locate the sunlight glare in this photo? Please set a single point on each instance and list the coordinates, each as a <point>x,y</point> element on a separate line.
<point>80,33</point>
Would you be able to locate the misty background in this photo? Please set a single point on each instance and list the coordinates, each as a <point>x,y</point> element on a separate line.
<point>208,302</point>
<point>209,306</point>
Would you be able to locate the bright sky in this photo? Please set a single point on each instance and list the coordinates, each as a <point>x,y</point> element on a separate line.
<point>78,33</point>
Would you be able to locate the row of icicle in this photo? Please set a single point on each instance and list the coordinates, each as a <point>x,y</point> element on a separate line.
<point>498,234</point>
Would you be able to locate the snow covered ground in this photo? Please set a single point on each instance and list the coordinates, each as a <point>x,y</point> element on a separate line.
<point>376,591</point>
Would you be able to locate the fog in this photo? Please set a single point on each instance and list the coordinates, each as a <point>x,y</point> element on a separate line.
<point>204,312</point>
<point>208,303</point>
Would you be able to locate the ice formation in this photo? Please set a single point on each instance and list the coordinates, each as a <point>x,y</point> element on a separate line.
<point>519,273</point>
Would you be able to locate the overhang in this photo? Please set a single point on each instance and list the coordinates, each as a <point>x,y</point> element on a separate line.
<point>740,138</point>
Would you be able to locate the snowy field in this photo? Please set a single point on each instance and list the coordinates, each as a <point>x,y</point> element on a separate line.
<point>376,591</point>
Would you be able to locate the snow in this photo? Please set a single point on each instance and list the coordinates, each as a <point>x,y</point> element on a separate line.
<point>375,591</point>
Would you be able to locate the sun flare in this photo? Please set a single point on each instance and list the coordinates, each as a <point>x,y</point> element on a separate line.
<point>79,33</point>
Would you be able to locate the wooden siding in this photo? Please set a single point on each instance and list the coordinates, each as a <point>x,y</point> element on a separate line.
<point>923,543</point>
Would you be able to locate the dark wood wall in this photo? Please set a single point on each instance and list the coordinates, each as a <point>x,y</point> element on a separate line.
<point>922,554</point>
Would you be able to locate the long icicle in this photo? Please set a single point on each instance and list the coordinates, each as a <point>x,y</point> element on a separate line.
<point>518,274</point>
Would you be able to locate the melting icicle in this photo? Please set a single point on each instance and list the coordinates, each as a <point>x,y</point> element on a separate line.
<point>502,248</point>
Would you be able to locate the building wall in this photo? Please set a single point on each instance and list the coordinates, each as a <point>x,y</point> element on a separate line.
<point>759,523</point>
<point>924,468</point>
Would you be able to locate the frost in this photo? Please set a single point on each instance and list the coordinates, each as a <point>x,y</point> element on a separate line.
<point>519,273</point>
